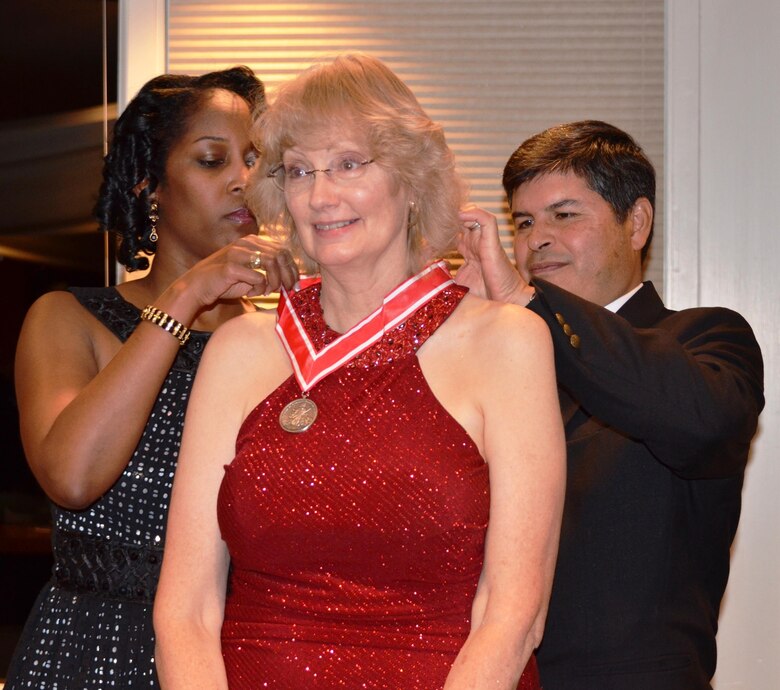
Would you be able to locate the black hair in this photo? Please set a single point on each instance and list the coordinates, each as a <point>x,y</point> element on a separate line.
<point>612,164</point>
<point>142,139</point>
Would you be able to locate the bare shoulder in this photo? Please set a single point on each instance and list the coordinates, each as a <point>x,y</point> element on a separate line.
<point>56,308</point>
<point>57,322</point>
<point>244,360</point>
<point>498,328</point>
<point>245,333</point>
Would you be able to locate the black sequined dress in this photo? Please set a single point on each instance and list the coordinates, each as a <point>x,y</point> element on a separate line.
<point>91,626</point>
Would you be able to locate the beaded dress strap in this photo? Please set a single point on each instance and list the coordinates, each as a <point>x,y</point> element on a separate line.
<point>110,308</point>
<point>121,318</point>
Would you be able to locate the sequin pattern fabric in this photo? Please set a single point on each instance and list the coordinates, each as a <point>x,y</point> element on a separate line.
<point>91,627</point>
<point>357,545</point>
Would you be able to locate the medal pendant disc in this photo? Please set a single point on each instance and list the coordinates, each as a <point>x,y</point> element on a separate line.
<point>298,415</point>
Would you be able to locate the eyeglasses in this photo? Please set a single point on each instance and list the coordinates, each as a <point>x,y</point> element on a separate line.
<point>294,178</point>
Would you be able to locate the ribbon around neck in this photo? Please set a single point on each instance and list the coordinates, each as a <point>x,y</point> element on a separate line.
<point>310,366</point>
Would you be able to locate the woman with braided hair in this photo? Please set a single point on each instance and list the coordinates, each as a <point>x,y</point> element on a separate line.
<point>103,375</point>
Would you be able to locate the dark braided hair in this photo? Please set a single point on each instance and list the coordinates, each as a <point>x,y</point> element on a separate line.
<point>143,137</point>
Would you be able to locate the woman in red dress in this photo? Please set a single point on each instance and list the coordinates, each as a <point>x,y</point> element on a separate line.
<point>370,488</point>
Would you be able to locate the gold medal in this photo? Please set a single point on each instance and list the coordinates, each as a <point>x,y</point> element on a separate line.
<point>298,415</point>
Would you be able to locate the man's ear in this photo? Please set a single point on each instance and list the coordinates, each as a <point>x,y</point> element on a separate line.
<point>641,216</point>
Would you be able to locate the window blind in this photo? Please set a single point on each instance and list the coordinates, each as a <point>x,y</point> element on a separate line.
<point>492,72</point>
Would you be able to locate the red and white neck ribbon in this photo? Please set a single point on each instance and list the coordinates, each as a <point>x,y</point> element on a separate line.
<point>310,366</point>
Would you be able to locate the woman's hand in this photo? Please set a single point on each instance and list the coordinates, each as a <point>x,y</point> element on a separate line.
<point>487,270</point>
<point>250,266</point>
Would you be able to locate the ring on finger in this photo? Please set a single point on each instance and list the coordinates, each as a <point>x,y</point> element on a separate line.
<point>475,226</point>
<point>256,262</point>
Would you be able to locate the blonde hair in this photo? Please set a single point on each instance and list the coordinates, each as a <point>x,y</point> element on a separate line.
<point>360,91</point>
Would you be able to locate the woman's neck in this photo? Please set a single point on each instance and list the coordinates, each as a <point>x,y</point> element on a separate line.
<point>348,299</point>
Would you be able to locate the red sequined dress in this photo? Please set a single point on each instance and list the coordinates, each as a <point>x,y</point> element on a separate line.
<point>355,546</point>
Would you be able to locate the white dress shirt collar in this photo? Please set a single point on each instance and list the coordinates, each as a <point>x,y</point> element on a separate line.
<point>620,301</point>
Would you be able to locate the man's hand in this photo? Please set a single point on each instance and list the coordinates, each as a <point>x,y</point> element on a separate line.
<point>487,270</point>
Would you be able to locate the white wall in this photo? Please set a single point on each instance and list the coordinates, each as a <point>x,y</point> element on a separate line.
<point>142,42</point>
<point>723,220</point>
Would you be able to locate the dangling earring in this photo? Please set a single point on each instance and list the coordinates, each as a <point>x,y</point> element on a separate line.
<point>412,215</point>
<point>153,218</point>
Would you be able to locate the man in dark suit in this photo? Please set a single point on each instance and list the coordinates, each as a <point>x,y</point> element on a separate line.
<point>660,408</point>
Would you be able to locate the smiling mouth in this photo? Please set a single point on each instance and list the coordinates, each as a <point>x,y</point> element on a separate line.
<point>545,267</point>
<point>325,227</point>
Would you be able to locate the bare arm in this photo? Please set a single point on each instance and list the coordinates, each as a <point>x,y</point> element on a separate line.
<point>190,601</point>
<point>524,445</point>
<point>190,597</point>
<point>84,399</point>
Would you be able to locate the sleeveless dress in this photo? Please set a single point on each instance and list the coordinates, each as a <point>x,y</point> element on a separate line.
<point>91,626</point>
<point>355,546</point>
